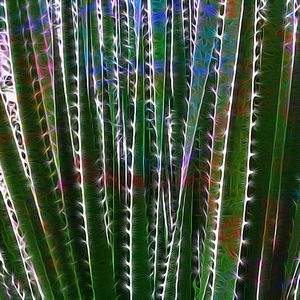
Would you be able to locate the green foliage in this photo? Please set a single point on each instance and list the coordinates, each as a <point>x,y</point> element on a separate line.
<point>149,149</point>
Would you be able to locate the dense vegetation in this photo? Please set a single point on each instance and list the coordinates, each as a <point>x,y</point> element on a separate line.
<point>149,149</point>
